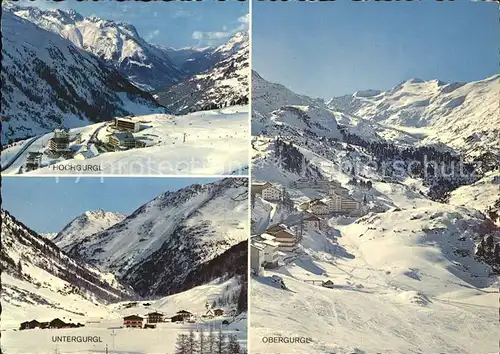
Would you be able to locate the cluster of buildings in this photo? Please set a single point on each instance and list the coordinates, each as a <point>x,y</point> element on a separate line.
<point>268,248</point>
<point>123,138</point>
<point>333,204</point>
<point>337,201</point>
<point>54,324</point>
<point>153,318</point>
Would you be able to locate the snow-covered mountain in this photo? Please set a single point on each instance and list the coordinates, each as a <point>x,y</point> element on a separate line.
<point>276,111</point>
<point>117,43</point>
<point>156,247</point>
<point>49,83</point>
<point>222,85</point>
<point>85,225</point>
<point>463,116</point>
<point>38,276</point>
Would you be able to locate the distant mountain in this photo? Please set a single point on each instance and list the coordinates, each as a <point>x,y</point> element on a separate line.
<point>222,85</point>
<point>117,43</point>
<point>49,83</point>
<point>156,247</point>
<point>86,225</point>
<point>278,111</point>
<point>463,116</point>
<point>36,272</point>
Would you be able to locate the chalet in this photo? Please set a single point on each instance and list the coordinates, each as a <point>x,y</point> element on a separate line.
<point>319,207</point>
<point>285,237</point>
<point>29,325</point>
<point>218,312</point>
<point>57,323</point>
<point>185,314</point>
<point>125,124</point>
<point>59,143</point>
<point>327,284</point>
<point>313,222</point>
<point>133,321</point>
<point>154,317</point>
<point>122,140</point>
<point>272,193</point>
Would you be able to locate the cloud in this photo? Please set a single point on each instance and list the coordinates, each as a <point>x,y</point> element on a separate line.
<point>244,20</point>
<point>215,37</point>
<point>152,34</point>
<point>210,37</point>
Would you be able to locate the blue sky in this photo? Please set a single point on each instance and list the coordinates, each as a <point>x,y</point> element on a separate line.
<point>175,24</point>
<point>47,204</point>
<point>334,48</point>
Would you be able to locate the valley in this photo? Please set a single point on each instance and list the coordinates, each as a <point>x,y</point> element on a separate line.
<point>97,275</point>
<point>356,247</point>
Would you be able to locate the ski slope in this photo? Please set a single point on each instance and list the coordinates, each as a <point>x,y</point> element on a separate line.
<point>399,288</point>
<point>202,143</point>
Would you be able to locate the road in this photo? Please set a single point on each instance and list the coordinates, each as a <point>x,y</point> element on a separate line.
<point>20,152</point>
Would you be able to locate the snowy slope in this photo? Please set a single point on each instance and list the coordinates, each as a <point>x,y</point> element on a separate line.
<point>156,246</point>
<point>484,195</point>
<point>38,279</point>
<point>194,144</point>
<point>85,225</point>
<point>461,115</point>
<point>225,84</point>
<point>395,275</point>
<point>117,43</point>
<point>126,340</point>
<point>49,83</point>
<point>277,111</point>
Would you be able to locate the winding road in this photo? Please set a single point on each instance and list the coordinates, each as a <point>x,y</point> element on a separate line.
<point>20,152</point>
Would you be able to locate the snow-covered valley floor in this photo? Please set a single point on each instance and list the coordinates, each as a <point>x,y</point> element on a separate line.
<point>104,322</point>
<point>394,292</point>
<point>202,143</point>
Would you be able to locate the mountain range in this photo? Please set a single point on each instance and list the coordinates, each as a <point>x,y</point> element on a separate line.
<point>63,70</point>
<point>175,242</point>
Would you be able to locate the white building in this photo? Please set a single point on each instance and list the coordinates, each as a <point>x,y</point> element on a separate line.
<point>334,203</point>
<point>263,253</point>
<point>271,193</point>
<point>127,125</point>
<point>256,255</point>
